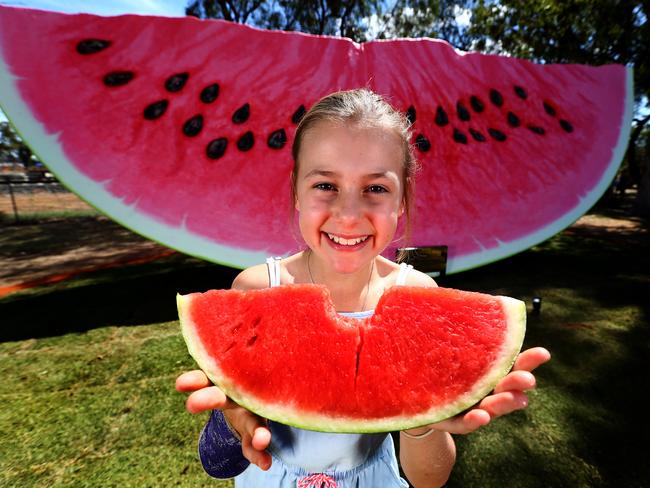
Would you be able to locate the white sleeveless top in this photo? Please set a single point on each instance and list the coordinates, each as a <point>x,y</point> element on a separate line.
<point>323,451</point>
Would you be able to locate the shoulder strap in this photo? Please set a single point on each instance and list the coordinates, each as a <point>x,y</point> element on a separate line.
<point>404,270</point>
<point>273,268</point>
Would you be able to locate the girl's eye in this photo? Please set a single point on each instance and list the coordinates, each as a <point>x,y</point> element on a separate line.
<point>325,187</point>
<point>377,189</point>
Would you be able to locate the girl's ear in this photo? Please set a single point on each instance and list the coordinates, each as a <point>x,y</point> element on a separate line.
<point>402,207</point>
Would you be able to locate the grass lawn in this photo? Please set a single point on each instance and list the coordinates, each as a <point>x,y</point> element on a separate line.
<point>88,369</point>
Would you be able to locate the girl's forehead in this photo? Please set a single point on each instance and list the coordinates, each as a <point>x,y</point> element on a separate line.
<point>331,145</point>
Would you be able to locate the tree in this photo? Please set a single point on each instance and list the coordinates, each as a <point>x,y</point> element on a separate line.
<point>12,147</point>
<point>346,18</point>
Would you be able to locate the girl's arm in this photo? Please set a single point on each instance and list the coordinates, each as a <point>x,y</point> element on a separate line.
<point>427,461</point>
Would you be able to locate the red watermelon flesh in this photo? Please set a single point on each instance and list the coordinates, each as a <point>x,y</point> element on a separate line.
<point>284,353</point>
<point>181,129</point>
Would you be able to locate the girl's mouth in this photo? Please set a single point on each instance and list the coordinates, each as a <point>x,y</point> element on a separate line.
<point>346,243</point>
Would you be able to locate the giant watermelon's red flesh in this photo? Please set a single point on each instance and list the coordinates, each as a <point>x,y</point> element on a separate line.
<point>511,151</point>
<point>426,353</point>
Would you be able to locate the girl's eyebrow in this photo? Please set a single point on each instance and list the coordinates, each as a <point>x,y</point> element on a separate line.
<point>326,173</point>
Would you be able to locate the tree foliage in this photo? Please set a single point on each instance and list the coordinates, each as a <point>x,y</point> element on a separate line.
<point>12,148</point>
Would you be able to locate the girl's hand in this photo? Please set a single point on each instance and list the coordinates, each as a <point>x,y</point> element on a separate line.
<point>204,396</point>
<point>508,396</point>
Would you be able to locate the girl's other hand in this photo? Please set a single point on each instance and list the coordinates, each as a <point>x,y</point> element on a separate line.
<point>508,395</point>
<point>252,429</point>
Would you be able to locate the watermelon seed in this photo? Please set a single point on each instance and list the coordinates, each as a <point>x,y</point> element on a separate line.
<point>537,130</point>
<point>92,46</point>
<point>520,92</point>
<point>410,114</point>
<point>513,120</point>
<point>549,109</point>
<point>459,136</point>
<point>566,125</point>
<point>193,126</point>
<point>422,143</point>
<point>476,104</point>
<point>441,117</point>
<point>241,114</point>
<point>298,114</point>
<point>246,141</point>
<point>216,148</point>
<point>497,134</point>
<point>477,135</point>
<point>277,139</point>
<point>252,340</point>
<point>496,97</point>
<point>155,109</point>
<point>118,78</point>
<point>463,113</point>
<point>176,82</point>
<point>210,93</point>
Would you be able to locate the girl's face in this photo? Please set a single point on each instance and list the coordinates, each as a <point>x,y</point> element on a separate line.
<point>349,193</point>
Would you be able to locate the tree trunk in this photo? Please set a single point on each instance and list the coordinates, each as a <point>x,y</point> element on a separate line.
<point>643,197</point>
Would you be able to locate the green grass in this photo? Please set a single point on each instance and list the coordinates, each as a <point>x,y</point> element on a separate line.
<point>88,368</point>
<point>36,217</point>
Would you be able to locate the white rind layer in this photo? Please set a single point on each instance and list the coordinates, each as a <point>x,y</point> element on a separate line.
<point>515,311</point>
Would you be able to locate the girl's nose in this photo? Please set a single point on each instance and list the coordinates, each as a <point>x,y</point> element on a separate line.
<point>348,207</point>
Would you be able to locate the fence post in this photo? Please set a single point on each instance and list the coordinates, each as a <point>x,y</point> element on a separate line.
<point>13,199</point>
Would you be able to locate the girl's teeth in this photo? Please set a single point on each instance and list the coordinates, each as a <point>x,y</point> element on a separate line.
<point>346,242</point>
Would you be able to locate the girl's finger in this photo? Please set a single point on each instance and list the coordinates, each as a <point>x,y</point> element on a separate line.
<point>503,403</point>
<point>209,398</point>
<point>464,423</point>
<point>192,381</point>
<point>517,380</point>
<point>531,359</point>
<point>261,438</point>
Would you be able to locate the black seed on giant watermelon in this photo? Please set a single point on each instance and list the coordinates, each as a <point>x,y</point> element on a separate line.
<point>477,135</point>
<point>246,141</point>
<point>549,109</point>
<point>441,117</point>
<point>537,130</point>
<point>118,78</point>
<point>241,114</point>
<point>277,139</point>
<point>176,82</point>
<point>298,114</point>
<point>513,120</point>
<point>459,136</point>
<point>520,92</point>
<point>496,97</point>
<point>566,125</point>
<point>155,109</point>
<point>92,46</point>
<point>410,114</point>
<point>463,113</point>
<point>497,134</point>
<point>192,127</point>
<point>216,148</point>
<point>476,103</point>
<point>422,143</point>
<point>210,93</point>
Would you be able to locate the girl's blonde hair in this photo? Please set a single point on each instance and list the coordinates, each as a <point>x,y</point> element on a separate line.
<point>362,108</point>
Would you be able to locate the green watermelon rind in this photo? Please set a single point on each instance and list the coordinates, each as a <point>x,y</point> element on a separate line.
<point>515,313</point>
<point>97,196</point>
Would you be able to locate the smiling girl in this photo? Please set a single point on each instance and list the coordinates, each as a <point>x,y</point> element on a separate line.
<point>351,183</point>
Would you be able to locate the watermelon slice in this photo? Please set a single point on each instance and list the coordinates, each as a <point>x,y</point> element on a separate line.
<point>284,353</point>
<point>163,123</point>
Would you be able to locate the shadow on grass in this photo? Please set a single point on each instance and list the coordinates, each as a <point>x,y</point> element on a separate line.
<point>133,295</point>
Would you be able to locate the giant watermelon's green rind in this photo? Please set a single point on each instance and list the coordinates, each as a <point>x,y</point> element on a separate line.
<point>515,313</point>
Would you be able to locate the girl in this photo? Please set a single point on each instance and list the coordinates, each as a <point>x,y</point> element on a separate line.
<point>352,181</point>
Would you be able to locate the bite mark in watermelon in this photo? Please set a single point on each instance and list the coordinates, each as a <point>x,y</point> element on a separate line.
<point>284,353</point>
<point>180,129</point>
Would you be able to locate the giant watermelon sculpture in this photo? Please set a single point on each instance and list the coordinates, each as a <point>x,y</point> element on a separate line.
<point>181,129</point>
